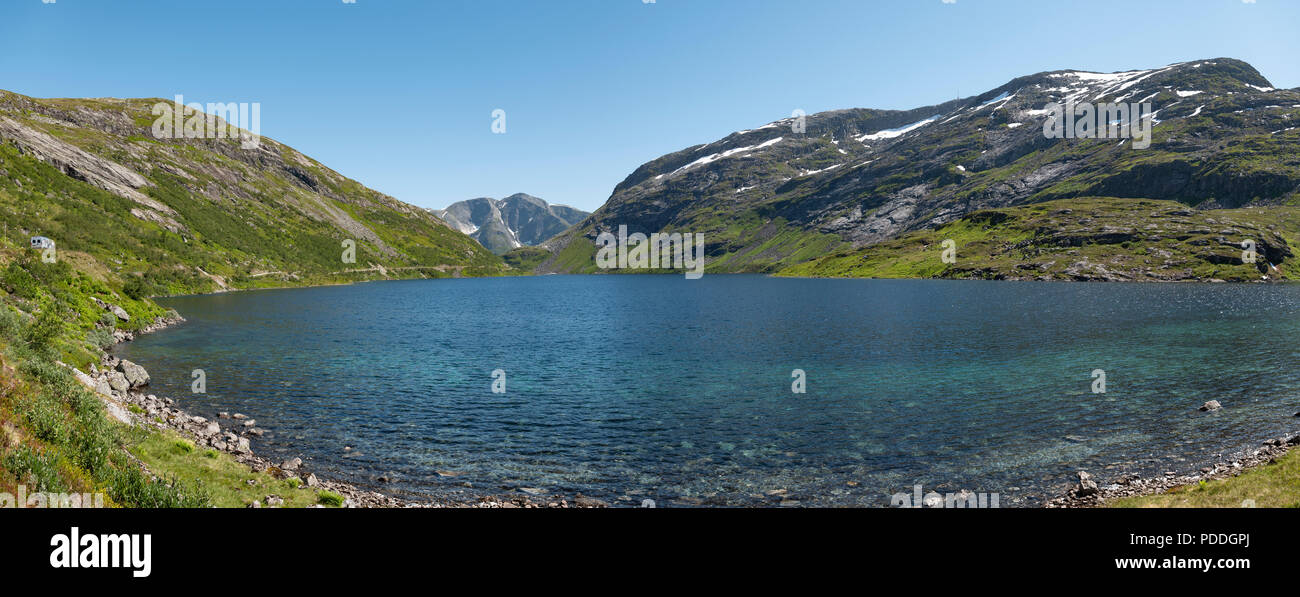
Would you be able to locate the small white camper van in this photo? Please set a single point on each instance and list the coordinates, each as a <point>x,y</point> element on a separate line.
<point>40,242</point>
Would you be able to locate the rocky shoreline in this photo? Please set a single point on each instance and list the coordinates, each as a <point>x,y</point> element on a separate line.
<point>121,384</point>
<point>1087,493</point>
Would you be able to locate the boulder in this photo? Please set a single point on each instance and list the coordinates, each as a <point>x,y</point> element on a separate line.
<point>291,465</point>
<point>211,429</point>
<point>135,374</point>
<point>102,387</point>
<point>311,480</point>
<point>1211,405</point>
<point>242,446</point>
<point>1086,486</point>
<point>117,381</point>
<point>119,312</point>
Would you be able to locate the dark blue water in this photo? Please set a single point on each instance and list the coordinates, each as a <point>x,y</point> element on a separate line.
<point>634,387</point>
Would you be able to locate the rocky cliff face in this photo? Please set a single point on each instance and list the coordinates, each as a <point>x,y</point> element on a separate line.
<point>203,214</point>
<point>517,221</point>
<point>779,195</point>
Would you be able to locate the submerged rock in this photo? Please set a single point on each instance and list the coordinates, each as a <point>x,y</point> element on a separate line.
<point>1211,405</point>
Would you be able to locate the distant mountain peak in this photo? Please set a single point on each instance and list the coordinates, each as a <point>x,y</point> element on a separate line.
<point>504,224</point>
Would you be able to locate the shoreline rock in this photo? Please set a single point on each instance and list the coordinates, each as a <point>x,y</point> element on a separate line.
<point>1089,494</point>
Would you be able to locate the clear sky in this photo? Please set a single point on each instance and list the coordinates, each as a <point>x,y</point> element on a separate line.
<point>399,94</point>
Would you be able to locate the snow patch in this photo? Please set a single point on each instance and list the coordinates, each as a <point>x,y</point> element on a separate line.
<point>708,159</point>
<point>899,132</point>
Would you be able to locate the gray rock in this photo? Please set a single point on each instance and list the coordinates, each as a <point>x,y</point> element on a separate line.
<point>135,374</point>
<point>1086,486</point>
<point>311,480</point>
<point>291,465</point>
<point>242,446</point>
<point>1211,405</point>
<point>118,382</point>
<point>211,429</point>
<point>586,502</point>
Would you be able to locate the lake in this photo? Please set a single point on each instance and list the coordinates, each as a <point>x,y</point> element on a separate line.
<point>632,387</point>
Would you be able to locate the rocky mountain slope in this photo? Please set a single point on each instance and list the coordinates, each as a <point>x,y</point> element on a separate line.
<point>1085,239</point>
<point>517,221</point>
<point>175,215</point>
<point>770,197</point>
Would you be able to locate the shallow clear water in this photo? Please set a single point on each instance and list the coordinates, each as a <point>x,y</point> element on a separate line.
<point>634,387</point>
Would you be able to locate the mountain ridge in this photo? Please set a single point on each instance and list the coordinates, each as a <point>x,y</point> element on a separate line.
<point>186,215</point>
<point>768,198</point>
<point>516,221</point>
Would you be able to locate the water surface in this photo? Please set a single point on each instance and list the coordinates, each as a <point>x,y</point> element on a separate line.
<point>633,387</point>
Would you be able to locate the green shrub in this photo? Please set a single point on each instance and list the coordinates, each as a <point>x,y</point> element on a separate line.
<point>101,338</point>
<point>42,334</point>
<point>329,498</point>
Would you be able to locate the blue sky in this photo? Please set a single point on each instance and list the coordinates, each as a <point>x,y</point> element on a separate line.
<point>399,93</point>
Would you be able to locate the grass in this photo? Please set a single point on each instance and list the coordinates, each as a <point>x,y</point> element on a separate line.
<point>56,436</point>
<point>1270,486</point>
<point>54,433</point>
<point>228,483</point>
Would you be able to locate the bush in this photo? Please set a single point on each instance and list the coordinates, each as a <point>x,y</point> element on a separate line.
<point>130,487</point>
<point>101,338</point>
<point>329,498</point>
<point>19,282</point>
<point>44,331</point>
<point>136,287</point>
<point>11,323</point>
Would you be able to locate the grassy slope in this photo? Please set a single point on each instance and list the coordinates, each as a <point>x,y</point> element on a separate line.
<point>54,434</point>
<point>1082,239</point>
<point>254,219</point>
<point>1272,486</point>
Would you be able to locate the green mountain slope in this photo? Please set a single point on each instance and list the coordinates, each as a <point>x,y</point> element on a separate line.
<point>195,215</point>
<point>1085,239</point>
<point>771,198</point>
